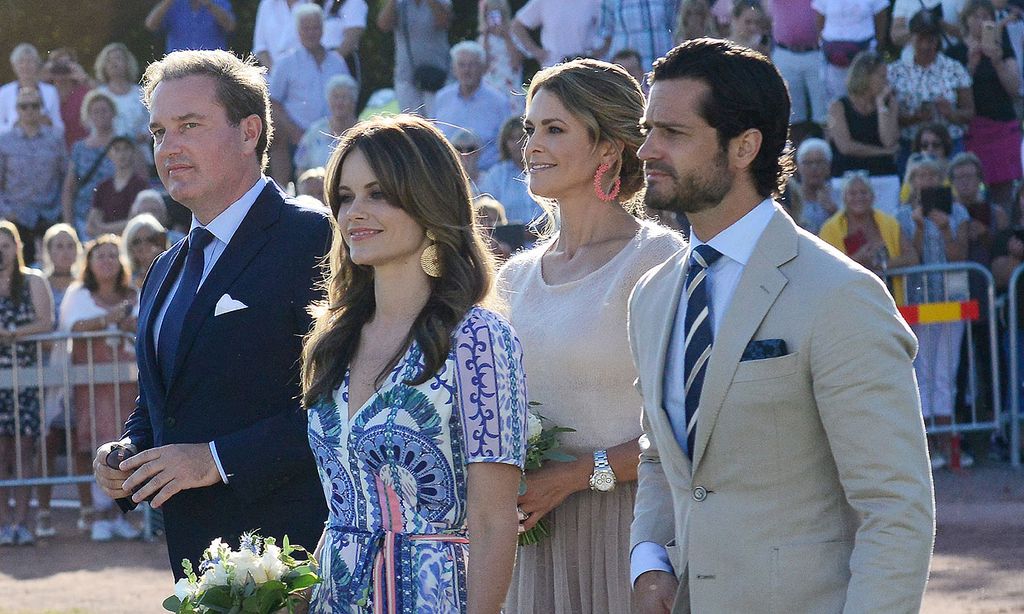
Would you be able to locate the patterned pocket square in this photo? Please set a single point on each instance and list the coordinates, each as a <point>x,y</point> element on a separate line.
<point>759,349</point>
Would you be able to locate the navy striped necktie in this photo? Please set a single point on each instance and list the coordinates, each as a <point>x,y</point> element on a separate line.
<point>699,335</point>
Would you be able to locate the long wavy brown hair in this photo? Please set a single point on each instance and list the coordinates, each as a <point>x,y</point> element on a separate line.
<point>418,170</point>
<point>88,278</point>
<point>18,273</point>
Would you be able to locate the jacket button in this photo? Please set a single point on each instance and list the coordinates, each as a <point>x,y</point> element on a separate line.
<point>170,422</point>
<point>700,493</point>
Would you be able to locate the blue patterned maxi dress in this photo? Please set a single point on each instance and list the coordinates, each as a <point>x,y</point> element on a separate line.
<point>395,474</point>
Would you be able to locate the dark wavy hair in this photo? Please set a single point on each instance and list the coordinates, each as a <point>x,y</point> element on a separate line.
<point>89,278</point>
<point>610,104</point>
<point>419,171</point>
<point>746,92</point>
<point>18,274</point>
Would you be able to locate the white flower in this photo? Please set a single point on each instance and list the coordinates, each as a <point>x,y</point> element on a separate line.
<point>216,575</point>
<point>246,563</point>
<point>533,426</point>
<point>216,549</point>
<point>184,590</point>
<point>271,564</point>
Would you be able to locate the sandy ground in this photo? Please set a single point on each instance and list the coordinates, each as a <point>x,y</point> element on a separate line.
<point>978,565</point>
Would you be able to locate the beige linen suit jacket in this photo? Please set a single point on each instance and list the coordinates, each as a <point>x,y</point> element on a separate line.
<point>810,488</point>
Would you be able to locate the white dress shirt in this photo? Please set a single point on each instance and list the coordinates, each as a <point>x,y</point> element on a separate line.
<point>223,227</point>
<point>736,243</point>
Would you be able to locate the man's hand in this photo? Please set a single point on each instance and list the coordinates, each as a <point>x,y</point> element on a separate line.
<point>654,592</point>
<point>109,479</point>
<point>169,470</point>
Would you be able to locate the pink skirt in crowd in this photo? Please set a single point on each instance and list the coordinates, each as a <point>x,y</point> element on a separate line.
<point>997,144</point>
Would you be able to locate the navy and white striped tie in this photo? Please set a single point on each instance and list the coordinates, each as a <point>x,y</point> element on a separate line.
<point>699,335</point>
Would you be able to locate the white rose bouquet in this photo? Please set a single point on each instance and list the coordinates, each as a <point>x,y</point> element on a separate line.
<point>258,578</point>
<point>541,446</point>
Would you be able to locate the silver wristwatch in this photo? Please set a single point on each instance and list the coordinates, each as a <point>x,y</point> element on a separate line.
<point>603,478</point>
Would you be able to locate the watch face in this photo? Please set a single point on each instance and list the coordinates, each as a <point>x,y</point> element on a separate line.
<point>604,481</point>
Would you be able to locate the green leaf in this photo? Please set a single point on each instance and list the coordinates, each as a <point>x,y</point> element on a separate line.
<point>305,581</point>
<point>172,603</point>
<point>534,535</point>
<point>217,597</point>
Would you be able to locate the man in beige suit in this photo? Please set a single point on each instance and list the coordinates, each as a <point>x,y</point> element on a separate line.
<point>784,467</point>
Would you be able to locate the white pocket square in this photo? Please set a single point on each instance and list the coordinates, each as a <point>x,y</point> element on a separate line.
<point>226,304</point>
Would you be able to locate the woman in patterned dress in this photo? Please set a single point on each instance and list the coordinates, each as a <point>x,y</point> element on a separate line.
<point>26,308</point>
<point>415,391</point>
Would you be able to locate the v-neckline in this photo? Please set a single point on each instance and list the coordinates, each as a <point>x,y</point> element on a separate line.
<point>344,397</point>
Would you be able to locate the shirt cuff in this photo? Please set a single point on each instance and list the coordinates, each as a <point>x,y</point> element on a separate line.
<point>216,460</point>
<point>646,556</point>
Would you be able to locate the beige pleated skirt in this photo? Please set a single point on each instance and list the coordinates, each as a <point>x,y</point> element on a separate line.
<point>582,567</point>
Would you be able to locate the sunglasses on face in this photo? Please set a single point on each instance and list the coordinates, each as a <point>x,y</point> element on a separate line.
<point>25,106</point>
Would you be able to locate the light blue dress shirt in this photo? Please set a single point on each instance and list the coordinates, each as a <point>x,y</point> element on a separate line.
<point>736,243</point>
<point>483,112</point>
<point>223,227</point>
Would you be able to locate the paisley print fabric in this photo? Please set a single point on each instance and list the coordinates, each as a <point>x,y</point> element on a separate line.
<point>394,475</point>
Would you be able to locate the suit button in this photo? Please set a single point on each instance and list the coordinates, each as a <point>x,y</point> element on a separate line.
<point>700,493</point>
<point>170,422</point>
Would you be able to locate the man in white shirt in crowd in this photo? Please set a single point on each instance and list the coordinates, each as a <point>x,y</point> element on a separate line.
<point>270,38</point>
<point>568,29</point>
<point>470,103</point>
<point>28,66</point>
<point>297,85</point>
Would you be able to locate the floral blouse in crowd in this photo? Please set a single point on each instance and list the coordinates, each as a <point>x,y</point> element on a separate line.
<point>914,85</point>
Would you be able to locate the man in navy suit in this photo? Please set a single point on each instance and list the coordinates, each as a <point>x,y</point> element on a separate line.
<point>220,434</point>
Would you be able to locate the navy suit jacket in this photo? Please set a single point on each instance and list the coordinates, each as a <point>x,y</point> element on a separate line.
<point>236,381</point>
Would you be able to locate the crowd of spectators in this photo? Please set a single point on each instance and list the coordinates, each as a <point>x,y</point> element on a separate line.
<point>895,104</point>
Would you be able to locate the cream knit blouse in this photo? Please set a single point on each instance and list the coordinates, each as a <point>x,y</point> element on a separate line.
<point>575,343</point>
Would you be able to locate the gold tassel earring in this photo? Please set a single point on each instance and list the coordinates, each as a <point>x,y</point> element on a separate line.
<point>430,259</point>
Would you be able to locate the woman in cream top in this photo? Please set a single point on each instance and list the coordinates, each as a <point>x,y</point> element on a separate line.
<point>567,299</point>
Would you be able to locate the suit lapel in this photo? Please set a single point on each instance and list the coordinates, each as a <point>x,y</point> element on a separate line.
<point>173,261</point>
<point>247,241</point>
<point>759,286</point>
<point>659,319</point>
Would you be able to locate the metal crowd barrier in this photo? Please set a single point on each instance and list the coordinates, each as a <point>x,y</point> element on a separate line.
<point>56,372</point>
<point>1013,373</point>
<point>926,309</point>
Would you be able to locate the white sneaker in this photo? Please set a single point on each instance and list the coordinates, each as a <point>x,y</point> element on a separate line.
<point>938,461</point>
<point>124,529</point>
<point>102,531</point>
